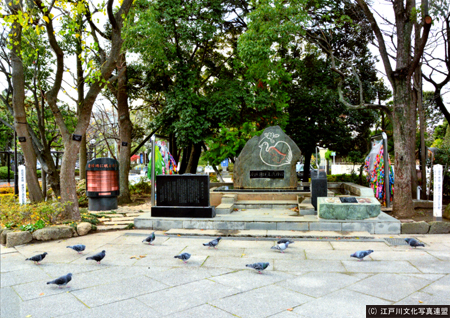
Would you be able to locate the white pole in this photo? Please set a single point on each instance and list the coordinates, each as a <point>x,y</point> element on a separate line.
<point>437,192</point>
<point>22,185</point>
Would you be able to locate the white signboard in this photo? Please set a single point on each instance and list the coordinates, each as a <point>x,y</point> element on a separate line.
<point>437,192</point>
<point>22,185</point>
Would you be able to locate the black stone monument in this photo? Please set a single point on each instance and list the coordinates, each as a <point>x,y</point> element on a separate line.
<point>184,195</point>
<point>318,186</point>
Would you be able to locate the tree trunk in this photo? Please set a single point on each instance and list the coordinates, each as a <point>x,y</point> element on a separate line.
<point>185,159</point>
<point>68,185</point>
<point>173,147</point>
<point>306,165</point>
<point>80,101</point>
<point>413,146</point>
<point>67,177</point>
<point>403,125</point>
<point>20,119</point>
<point>125,130</point>
<point>194,158</point>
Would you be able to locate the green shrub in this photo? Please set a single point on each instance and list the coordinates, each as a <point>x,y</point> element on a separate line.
<point>141,187</point>
<point>88,217</point>
<point>354,178</point>
<point>30,216</point>
<point>4,173</point>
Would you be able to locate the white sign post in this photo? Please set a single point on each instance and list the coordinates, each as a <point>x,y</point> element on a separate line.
<point>437,192</point>
<point>22,185</point>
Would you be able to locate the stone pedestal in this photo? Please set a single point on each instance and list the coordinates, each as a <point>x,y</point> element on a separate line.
<point>334,209</point>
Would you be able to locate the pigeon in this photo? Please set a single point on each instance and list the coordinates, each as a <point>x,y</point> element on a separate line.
<point>79,248</point>
<point>361,254</point>
<point>285,241</point>
<point>61,281</point>
<point>37,258</point>
<point>258,266</point>
<point>184,257</point>
<point>97,257</point>
<point>281,247</point>
<point>150,239</point>
<point>413,243</point>
<point>213,243</point>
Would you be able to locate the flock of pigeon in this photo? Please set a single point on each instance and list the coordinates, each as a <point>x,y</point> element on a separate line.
<point>282,245</point>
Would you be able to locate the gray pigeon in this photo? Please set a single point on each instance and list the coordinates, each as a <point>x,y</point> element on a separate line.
<point>61,281</point>
<point>258,266</point>
<point>281,247</point>
<point>79,248</point>
<point>150,239</point>
<point>213,243</point>
<point>361,254</point>
<point>37,258</point>
<point>413,243</point>
<point>285,241</point>
<point>184,257</point>
<point>97,257</point>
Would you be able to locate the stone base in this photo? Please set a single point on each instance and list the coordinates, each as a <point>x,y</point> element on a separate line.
<point>102,204</point>
<point>183,212</point>
<point>334,209</point>
<point>382,224</point>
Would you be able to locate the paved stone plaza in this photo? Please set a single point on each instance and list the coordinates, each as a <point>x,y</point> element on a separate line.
<point>311,279</point>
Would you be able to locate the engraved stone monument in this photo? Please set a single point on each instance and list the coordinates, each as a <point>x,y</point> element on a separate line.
<point>184,195</point>
<point>267,161</point>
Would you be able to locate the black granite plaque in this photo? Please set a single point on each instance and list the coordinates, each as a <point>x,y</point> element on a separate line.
<point>124,143</point>
<point>273,174</point>
<point>22,139</point>
<point>348,200</point>
<point>182,190</point>
<point>77,137</point>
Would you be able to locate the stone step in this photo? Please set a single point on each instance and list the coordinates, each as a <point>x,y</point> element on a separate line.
<point>382,224</point>
<point>111,227</point>
<point>111,216</point>
<point>124,219</point>
<point>269,233</point>
<point>225,208</point>
<point>310,211</point>
<point>305,206</point>
<point>119,222</point>
<point>265,204</point>
<point>135,214</point>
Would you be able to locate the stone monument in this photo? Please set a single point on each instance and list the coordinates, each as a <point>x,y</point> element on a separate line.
<point>184,195</point>
<point>267,161</point>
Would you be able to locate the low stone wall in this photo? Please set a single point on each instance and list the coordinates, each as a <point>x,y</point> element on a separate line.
<point>11,238</point>
<point>422,227</point>
<point>356,189</point>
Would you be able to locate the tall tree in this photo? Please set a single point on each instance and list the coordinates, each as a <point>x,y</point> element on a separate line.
<point>408,55</point>
<point>18,84</point>
<point>193,77</point>
<point>98,81</point>
<point>439,66</point>
<point>275,21</point>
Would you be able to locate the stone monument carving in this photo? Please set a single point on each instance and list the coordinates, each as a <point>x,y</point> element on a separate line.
<point>267,161</point>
